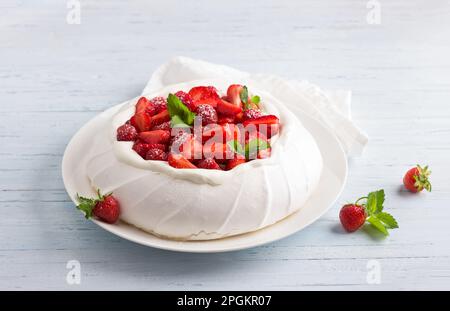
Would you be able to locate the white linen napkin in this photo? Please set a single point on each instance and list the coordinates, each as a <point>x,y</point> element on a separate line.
<point>332,108</point>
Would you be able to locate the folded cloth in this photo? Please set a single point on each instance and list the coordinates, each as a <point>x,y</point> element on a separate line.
<point>332,108</point>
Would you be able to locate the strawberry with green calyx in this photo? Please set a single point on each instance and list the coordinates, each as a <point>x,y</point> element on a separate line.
<point>353,216</point>
<point>417,179</point>
<point>249,102</point>
<point>105,207</point>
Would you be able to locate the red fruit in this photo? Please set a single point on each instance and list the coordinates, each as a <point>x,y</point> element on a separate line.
<point>157,146</point>
<point>228,109</point>
<point>159,103</point>
<point>199,93</point>
<point>209,164</point>
<point>142,104</point>
<point>141,121</point>
<point>141,148</point>
<point>186,99</point>
<point>352,217</point>
<point>160,118</point>
<point>184,143</point>
<point>127,132</point>
<point>235,162</point>
<point>156,154</point>
<point>234,94</point>
<point>107,210</point>
<point>204,95</point>
<point>163,126</point>
<point>251,114</point>
<point>252,135</point>
<point>178,161</point>
<point>217,150</point>
<point>417,178</point>
<point>155,137</point>
<point>207,113</point>
<point>268,125</point>
<point>231,132</point>
<point>225,119</point>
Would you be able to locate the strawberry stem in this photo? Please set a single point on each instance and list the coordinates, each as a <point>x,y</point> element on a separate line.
<point>362,198</point>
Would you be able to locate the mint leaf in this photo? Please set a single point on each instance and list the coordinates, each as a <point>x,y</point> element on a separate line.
<point>176,108</point>
<point>375,202</point>
<point>256,99</point>
<point>375,222</point>
<point>254,145</point>
<point>236,147</point>
<point>388,220</point>
<point>244,95</point>
<point>176,121</point>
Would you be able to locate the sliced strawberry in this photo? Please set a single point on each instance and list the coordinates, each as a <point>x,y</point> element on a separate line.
<point>268,125</point>
<point>184,143</point>
<point>228,109</point>
<point>221,133</point>
<point>159,118</point>
<point>235,162</point>
<point>231,132</point>
<point>239,118</point>
<point>209,164</point>
<point>142,104</point>
<point>234,94</point>
<point>212,130</point>
<point>225,119</point>
<point>141,121</point>
<point>155,137</point>
<point>207,101</point>
<point>178,161</point>
<point>217,150</point>
<point>203,92</point>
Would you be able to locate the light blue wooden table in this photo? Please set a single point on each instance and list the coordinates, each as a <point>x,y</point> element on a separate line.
<point>55,76</point>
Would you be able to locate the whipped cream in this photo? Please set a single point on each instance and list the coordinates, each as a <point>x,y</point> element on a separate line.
<point>199,204</point>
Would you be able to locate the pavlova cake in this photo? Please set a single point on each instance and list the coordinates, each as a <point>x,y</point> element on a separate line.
<point>200,162</point>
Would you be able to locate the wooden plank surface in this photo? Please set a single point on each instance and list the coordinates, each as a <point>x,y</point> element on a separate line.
<point>55,76</point>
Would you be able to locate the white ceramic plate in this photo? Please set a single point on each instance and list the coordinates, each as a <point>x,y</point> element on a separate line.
<point>332,181</point>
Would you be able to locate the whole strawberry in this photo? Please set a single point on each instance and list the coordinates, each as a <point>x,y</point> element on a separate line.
<point>417,178</point>
<point>354,215</point>
<point>105,207</point>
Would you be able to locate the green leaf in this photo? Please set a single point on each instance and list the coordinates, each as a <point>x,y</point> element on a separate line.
<point>375,222</point>
<point>176,121</point>
<point>176,108</point>
<point>375,202</point>
<point>86,205</point>
<point>388,220</point>
<point>236,146</point>
<point>255,145</point>
<point>244,95</point>
<point>256,99</point>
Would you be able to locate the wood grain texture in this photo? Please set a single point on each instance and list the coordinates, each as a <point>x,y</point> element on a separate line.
<point>54,77</point>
